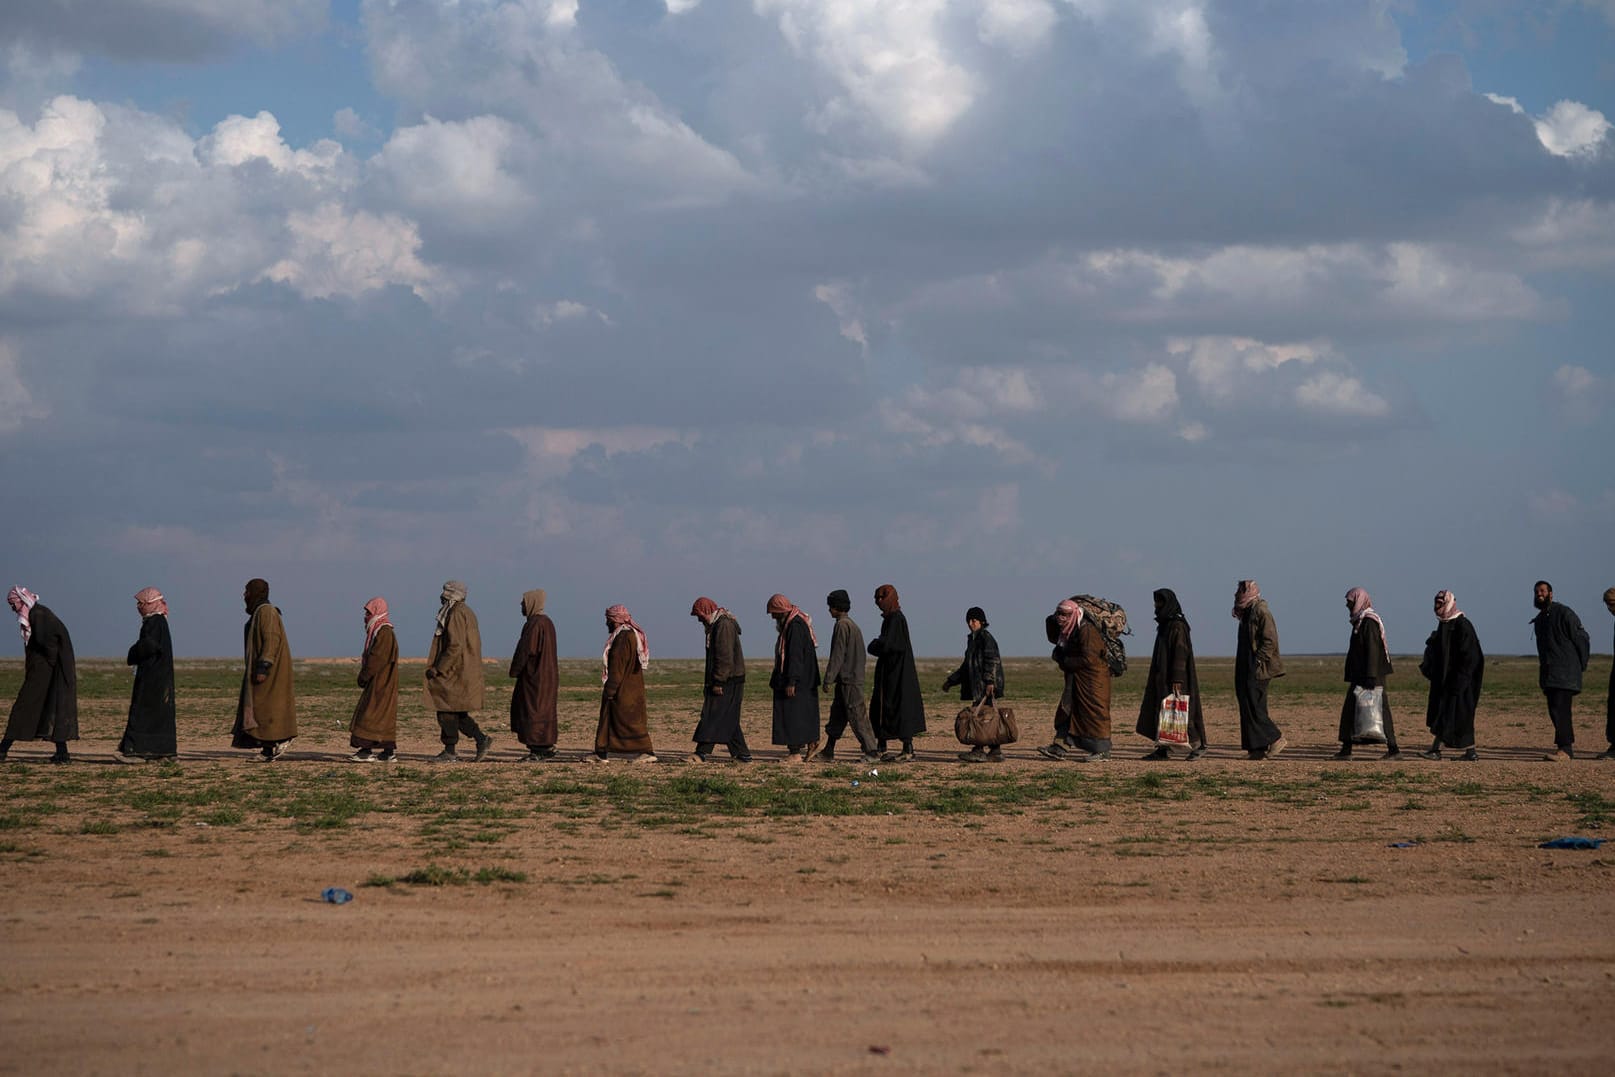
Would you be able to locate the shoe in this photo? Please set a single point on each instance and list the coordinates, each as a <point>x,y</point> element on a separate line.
<point>1471,756</point>
<point>1162,752</point>
<point>1430,753</point>
<point>1275,749</point>
<point>869,757</point>
<point>61,759</point>
<point>888,757</point>
<point>810,750</point>
<point>1344,753</point>
<point>1196,753</point>
<point>740,759</point>
<point>594,757</point>
<point>387,755</point>
<point>279,749</point>
<point>975,755</point>
<point>1053,751</point>
<point>697,757</point>
<point>1558,755</point>
<point>533,757</point>
<point>362,756</point>
<point>903,757</point>
<point>643,757</point>
<point>127,757</point>
<point>995,755</point>
<point>827,754</point>
<point>447,755</point>
<point>1609,754</point>
<point>484,742</point>
<point>1392,753</point>
<point>264,756</point>
<point>1094,757</point>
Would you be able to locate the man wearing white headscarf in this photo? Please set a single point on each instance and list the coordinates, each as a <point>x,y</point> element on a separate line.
<point>454,684</point>
<point>1454,665</point>
<point>47,703</point>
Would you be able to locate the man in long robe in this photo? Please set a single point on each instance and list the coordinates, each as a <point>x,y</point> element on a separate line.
<point>1455,666</point>
<point>373,731</point>
<point>1563,649</point>
<point>1256,663</point>
<point>1609,700</point>
<point>1172,672</point>
<point>844,672</point>
<point>1368,663</point>
<point>795,681</point>
<point>149,732</point>
<point>47,705</point>
<point>533,701</point>
<point>896,708</point>
<point>454,683</point>
<point>624,723</point>
<point>723,684</point>
<point>1082,720</point>
<point>266,713</point>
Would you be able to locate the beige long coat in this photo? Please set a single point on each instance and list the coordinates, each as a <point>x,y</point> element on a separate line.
<point>267,711</point>
<point>456,655</point>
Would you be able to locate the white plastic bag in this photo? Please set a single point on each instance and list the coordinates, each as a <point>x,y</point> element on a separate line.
<point>1369,726</point>
<point>1172,726</point>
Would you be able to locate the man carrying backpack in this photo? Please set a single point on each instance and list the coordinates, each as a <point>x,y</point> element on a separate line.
<point>1082,723</point>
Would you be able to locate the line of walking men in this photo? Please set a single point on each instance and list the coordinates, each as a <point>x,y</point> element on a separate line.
<point>46,705</point>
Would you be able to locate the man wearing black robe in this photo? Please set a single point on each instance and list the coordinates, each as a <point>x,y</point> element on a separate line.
<point>1455,666</point>
<point>896,709</point>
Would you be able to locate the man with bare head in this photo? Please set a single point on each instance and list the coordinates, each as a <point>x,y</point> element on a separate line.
<point>1562,649</point>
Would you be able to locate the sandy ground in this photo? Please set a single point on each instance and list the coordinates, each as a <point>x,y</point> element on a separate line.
<point>1266,928</point>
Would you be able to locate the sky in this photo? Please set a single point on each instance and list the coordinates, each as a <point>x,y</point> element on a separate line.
<point>996,301</point>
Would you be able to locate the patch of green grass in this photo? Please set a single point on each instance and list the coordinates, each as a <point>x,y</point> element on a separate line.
<point>98,826</point>
<point>1596,808</point>
<point>224,817</point>
<point>437,875</point>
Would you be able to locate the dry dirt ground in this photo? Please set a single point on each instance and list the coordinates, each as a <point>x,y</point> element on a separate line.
<point>1132,917</point>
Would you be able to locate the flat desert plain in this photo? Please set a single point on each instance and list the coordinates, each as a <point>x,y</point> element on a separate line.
<point>1127,917</point>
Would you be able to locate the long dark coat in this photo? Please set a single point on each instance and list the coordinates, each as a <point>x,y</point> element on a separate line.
<point>1367,666</point>
<point>375,716</point>
<point>1172,662</point>
<point>981,667</point>
<point>1087,676</point>
<point>47,706</point>
<point>796,718</point>
<point>1454,665</point>
<point>150,730</point>
<point>624,724</point>
<point>1562,647</point>
<point>726,669</point>
<point>896,708</point>
<point>533,700</point>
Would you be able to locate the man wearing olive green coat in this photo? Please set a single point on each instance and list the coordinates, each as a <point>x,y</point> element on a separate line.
<point>266,713</point>
<point>454,674</point>
<point>1256,663</point>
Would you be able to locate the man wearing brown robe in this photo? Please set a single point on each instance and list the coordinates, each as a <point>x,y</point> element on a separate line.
<point>533,701</point>
<point>266,713</point>
<point>374,729</point>
<point>624,724</point>
<point>454,675</point>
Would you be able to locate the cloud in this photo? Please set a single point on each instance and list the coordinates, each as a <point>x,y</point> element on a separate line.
<point>1339,394</point>
<point>1144,396</point>
<point>1567,129</point>
<point>166,30</point>
<point>1579,395</point>
<point>17,405</point>
<point>335,253</point>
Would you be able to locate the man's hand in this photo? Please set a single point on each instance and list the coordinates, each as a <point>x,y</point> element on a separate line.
<point>717,689</point>
<point>259,678</point>
<point>790,691</point>
<point>1177,688</point>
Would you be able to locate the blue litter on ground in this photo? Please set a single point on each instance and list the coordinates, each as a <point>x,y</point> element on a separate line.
<point>1573,841</point>
<point>335,895</point>
<point>1402,844</point>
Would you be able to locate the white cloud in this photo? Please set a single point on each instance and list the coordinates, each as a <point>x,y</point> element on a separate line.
<point>237,140</point>
<point>1571,129</point>
<point>455,170</point>
<point>336,253</point>
<point>349,124</point>
<point>1578,394</point>
<point>1568,129</point>
<point>1218,363</point>
<point>546,315</point>
<point>1340,394</point>
<point>1553,504</point>
<point>837,295</point>
<point>971,411</point>
<point>17,404</point>
<point>888,59</point>
<point>1016,25</point>
<point>1144,396</point>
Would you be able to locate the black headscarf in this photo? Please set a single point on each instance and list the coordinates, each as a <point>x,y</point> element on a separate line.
<point>976,613</point>
<point>1167,607</point>
<point>838,600</point>
<point>257,594</point>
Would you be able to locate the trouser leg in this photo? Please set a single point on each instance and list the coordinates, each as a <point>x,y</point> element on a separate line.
<point>448,727</point>
<point>1564,731</point>
<point>1390,727</point>
<point>737,746</point>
